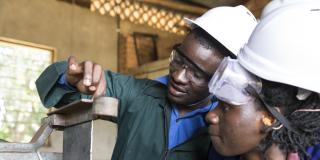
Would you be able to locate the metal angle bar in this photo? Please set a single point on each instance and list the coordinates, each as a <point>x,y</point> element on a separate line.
<point>37,141</point>
<point>77,142</point>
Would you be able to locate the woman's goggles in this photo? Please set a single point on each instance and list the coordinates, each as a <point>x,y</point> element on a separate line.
<point>234,84</point>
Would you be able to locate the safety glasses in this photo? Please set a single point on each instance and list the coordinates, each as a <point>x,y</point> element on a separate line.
<point>179,61</point>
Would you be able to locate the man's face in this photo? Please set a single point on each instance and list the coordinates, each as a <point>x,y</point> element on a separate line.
<point>190,71</point>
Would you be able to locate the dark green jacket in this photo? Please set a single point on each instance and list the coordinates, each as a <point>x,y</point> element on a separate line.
<point>143,116</point>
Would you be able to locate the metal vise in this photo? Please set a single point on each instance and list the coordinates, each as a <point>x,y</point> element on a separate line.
<point>75,120</point>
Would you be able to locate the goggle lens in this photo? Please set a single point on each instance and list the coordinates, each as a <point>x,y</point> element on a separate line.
<point>231,81</point>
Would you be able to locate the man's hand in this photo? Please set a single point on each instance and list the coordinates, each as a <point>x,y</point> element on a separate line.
<point>87,76</point>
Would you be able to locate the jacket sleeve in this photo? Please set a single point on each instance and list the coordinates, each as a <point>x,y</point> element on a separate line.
<point>51,94</point>
<point>124,88</point>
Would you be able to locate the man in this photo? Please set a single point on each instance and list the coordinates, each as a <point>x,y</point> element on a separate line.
<point>156,121</point>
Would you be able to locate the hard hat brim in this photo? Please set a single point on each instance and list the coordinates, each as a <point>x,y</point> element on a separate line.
<point>191,23</point>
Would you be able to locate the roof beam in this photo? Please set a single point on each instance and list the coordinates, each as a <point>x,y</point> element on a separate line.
<point>174,5</point>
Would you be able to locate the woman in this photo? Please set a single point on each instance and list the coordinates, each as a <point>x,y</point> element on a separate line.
<point>269,102</point>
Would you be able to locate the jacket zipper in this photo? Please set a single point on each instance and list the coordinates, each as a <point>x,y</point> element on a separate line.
<point>166,152</point>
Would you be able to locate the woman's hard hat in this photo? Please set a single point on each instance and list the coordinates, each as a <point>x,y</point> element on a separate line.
<point>285,47</point>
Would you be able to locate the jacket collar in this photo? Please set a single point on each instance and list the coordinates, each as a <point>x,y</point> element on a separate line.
<point>158,91</point>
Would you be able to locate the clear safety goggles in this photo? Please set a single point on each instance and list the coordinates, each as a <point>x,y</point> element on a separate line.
<point>234,84</point>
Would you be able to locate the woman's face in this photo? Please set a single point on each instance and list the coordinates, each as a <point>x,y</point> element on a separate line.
<point>235,130</point>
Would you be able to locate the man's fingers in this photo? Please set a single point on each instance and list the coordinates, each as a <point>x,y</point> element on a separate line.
<point>96,75</point>
<point>85,89</point>
<point>87,74</point>
<point>92,88</point>
<point>101,87</point>
<point>74,67</point>
<point>72,60</point>
<point>74,71</point>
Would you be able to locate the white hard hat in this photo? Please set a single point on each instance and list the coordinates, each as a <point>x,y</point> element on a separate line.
<point>285,47</point>
<point>231,26</point>
<point>274,4</point>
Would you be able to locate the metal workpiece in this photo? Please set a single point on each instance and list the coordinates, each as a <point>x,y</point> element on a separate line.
<point>76,119</point>
<point>30,156</point>
<point>29,151</point>
<point>77,142</point>
<point>36,142</point>
<point>84,110</point>
<point>76,122</point>
<point>105,108</point>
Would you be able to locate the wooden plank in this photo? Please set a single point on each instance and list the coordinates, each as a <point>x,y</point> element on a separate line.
<point>178,6</point>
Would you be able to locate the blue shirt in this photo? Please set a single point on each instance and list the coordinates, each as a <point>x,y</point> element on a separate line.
<point>64,83</point>
<point>184,127</point>
<point>314,152</point>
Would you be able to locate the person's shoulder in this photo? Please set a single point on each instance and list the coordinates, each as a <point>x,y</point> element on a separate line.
<point>156,89</point>
<point>148,86</point>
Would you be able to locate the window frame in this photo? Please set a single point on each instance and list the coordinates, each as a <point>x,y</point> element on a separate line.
<point>36,46</point>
